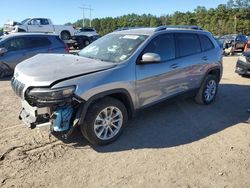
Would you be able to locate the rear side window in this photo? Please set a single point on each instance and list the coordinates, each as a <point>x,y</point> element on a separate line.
<point>37,42</point>
<point>206,43</point>
<point>164,45</point>
<point>188,44</point>
<point>44,22</point>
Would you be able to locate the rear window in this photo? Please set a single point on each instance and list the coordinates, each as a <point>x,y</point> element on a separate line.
<point>37,42</point>
<point>206,43</point>
<point>187,44</point>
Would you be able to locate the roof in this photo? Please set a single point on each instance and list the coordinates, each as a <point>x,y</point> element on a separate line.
<point>25,34</point>
<point>136,31</point>
<point>152,30</point>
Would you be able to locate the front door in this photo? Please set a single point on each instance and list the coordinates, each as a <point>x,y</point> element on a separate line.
<point>157,81</point>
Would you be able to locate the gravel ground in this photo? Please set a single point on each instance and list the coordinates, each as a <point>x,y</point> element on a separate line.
<point>175,144</point>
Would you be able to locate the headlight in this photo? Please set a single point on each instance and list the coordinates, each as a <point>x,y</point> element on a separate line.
<point>51,94</point>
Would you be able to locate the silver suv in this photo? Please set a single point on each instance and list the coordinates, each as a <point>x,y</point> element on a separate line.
<point>114,77</point>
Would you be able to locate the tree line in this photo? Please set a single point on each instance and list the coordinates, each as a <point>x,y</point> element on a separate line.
<point>233,17</point>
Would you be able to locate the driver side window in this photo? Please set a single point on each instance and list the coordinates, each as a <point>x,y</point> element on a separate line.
<point>14,44</point>
<point>35,22</point>
<point>163,45</point>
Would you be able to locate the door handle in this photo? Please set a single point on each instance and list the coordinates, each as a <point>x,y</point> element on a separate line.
<point>174,66</point>
<point>204,58</point>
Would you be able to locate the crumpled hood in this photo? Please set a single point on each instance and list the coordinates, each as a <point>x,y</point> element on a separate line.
<point>12,23</point>
<point>45,69</point>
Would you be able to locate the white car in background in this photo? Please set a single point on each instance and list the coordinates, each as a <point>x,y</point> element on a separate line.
<point>40,25</point>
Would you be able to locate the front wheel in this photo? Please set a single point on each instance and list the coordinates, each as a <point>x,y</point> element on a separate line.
<point>104,121</point>
<point>208,90</point>
<point>65,35</point>
<point>5,71</point>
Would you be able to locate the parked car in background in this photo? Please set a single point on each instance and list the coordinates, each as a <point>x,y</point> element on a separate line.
<point>233,43</point>
<point>114,77</point>
<point>1,33</point>
<point>41,25</point>
<point>247,46</point>
<point>17,47</point>
<point>243,64</point>
<point>84,36</point>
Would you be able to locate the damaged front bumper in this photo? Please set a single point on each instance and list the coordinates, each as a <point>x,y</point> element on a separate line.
<point>57,118</point>
<point>35,117</point>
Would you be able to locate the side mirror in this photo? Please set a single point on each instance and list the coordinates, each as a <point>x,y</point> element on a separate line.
<point>150,58</point>
<point>3,51</point>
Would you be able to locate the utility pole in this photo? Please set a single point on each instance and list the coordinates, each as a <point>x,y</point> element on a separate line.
<point>235,24</point>
<point>90,19</point>
<point>86,7</point>
<point>83,16</point>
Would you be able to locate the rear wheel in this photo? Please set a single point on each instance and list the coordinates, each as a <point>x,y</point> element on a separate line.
<point>208,90</point>
<point>104,121</point>
<point>65,35</point>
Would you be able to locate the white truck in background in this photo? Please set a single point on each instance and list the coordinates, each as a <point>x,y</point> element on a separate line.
<point>41,25</point>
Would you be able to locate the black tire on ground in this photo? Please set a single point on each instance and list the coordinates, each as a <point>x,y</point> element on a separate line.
<point>86,42</point>
<point>5,71</point>
<point>83,43</point>
<point>65,35</point>
<point>207,86</point>
<point>90,127</point>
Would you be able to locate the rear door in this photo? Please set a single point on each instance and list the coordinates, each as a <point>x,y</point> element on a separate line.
<point>190,59</point>
<point>37,44</point>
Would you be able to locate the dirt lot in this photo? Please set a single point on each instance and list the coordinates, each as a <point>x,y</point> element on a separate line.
<point>175,144</point>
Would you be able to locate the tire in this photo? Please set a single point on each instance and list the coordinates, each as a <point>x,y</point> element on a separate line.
<point>208,90</point>
<point>5,71</point>
<point>99,127</point>
<point>86,43</point>
<point>83,43</point>
<point>65,35</point>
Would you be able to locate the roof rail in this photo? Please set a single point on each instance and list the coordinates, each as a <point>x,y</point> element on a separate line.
<point>127,28</point>
<point>161,28</point>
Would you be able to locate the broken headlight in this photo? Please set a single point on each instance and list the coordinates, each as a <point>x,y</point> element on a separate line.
<point>48,94</point>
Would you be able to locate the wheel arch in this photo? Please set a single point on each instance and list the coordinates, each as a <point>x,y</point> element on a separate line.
<point>120,94</point>
<point>214,71</point>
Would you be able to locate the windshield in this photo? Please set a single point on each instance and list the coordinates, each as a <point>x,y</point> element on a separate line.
<point>24,21</point>
<point>113,47</point>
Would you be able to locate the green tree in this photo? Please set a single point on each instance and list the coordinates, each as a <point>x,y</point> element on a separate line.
<point>219,21</point>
